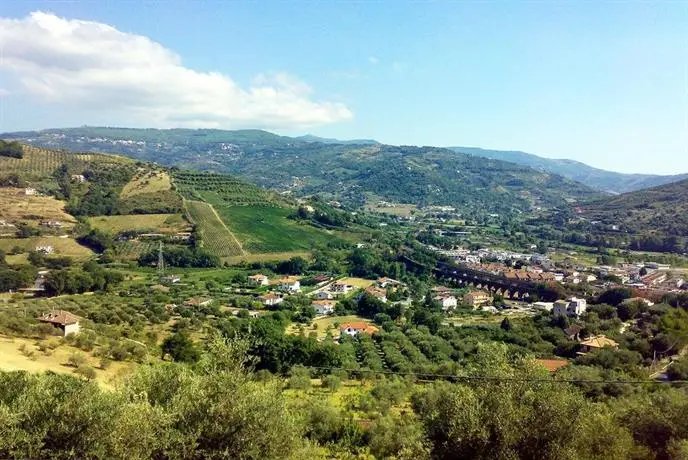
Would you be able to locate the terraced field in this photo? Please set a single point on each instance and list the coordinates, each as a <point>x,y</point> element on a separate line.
<point>215,235</point>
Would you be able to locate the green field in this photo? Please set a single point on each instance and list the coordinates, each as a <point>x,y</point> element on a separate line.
<point>267,229</point>
<point>215,235</point>
<point>164,223</point>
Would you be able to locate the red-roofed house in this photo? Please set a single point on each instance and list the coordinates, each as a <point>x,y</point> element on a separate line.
<point>67,322</point>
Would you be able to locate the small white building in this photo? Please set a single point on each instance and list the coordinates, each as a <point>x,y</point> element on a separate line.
<point>258,280</point>
<point>572,307</point>
<point>29,191</point>
<point>447,302</point>
<point>270,299</point>
<point>323,295</point>
<point>78,178</point>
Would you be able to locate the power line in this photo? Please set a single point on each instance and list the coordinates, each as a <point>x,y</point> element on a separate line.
<point>485,378</point>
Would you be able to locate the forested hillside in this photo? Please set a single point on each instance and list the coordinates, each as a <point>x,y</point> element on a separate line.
<point>419,175</point>
<point>654,219</point>
<point>608,181</point>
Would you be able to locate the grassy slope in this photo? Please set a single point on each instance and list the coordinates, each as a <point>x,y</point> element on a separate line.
<point>164,223</point>
<point>147,182</point>
<point>63,246</point>
<point>267,229</point>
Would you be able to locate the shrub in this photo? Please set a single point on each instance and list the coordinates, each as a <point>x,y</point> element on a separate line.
<point>86,372</point>
<point>76,359</point>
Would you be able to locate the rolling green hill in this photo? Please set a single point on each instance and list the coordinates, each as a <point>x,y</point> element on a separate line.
<point>135,201</point>
<point>345,172</point>
<point>596,178</point>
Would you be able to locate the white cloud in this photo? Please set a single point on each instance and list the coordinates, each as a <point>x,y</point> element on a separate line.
<point>373,60</point>
<point>97,68</point>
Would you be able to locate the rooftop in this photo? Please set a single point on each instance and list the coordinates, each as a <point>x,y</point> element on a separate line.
<point>60,317</point>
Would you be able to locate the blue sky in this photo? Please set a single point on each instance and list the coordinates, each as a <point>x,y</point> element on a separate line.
<point>605,83</point>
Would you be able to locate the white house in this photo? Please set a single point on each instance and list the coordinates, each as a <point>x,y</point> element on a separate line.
<point>258,280</point>
<point>78,178</point>
<point>447,302</point>
<point>353,329</point>
<point>289,284</point>
<point>29,191</point>
<point>323,295</point>
<point>65,321</point>
<point>270,299</point>
<point>324,307</point>
<point>571,307</point>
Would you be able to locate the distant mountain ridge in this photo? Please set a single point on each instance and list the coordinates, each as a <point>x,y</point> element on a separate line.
<point>350,173</point>
<point>600,179</point>
<point>327,140</point>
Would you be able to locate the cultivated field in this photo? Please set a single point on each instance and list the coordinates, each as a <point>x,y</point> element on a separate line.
<point>161,223</point>
<point>268,229</point>
<point>216,237</point>
<point>147,182</point>
<point>16,206</point>
<point>62,246</point>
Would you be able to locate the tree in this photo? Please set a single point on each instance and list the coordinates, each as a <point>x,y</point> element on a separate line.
<point>506,325</point>
<point>180,348</point>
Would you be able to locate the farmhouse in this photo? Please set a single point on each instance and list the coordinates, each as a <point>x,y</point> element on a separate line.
<point>258,280</point>
<point>29,191</point>
<point>353,329</point>
<point>65,321</point>
<point>324,307</point>
<point>270,299</point>
<point>289,284</point>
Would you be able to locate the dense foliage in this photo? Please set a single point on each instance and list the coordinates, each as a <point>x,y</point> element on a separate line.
<point>11,149</point>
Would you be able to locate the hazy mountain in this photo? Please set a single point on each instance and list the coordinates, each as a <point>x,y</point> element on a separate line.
<point>599,179</point>
<point>327,140</point>
<point>348,173</point>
